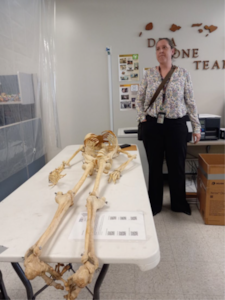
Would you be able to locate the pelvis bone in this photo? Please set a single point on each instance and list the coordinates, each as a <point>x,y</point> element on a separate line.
<point>98,152</point>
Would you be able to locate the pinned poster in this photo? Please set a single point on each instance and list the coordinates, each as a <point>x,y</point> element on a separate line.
<point>128,95</point>
<point>145,70</point>
<point>128,67</point>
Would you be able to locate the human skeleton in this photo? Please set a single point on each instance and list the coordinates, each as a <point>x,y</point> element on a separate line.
<point>98,153</point>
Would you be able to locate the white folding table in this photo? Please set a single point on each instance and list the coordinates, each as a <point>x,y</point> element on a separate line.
<point>27,212</point>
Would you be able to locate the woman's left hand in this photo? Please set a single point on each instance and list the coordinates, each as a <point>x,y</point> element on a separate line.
<point>196,137</point>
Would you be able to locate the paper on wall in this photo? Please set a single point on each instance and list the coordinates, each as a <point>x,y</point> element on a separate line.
<point>145,71</point>
<point>128,95</point>
<point>128,67</point>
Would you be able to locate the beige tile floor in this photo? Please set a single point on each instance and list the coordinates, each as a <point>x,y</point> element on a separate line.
<point>192,265</point>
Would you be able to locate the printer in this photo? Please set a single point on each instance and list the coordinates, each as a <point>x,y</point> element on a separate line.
<point>210,127</point>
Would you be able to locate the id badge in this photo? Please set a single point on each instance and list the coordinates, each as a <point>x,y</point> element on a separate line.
<point>160,118</point>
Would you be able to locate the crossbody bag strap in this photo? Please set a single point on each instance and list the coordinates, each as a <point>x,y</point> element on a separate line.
<point>168,76</point>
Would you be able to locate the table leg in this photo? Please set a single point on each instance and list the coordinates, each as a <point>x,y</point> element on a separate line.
<point>99,281</point>
<point>29,289</point>
<point>3,293</point>
<point>25,281</point>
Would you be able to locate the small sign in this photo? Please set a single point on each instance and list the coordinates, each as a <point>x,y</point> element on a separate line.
<point>117,225</point>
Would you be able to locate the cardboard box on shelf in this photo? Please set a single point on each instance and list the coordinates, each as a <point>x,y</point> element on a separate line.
<point>211,188</point>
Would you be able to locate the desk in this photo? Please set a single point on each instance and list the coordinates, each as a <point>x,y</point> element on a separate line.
<point>208,144</point>
<point>122,134</point>
<point>26,213</point>
<point>193,149</point>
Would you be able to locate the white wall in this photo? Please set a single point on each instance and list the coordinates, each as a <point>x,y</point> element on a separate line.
<point>85,27</point>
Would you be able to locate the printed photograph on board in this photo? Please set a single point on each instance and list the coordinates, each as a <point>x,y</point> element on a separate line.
<point>123,61</point>
<point>124,90</point>
<point>128,67</point>
<point>136,66</point>
<point>125,97</point>
<point>128,95</point>
<point>125,105</point>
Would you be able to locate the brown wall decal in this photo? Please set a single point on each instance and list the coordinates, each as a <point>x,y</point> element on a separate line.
<point>176,53</point>
<point>149,26</point>
<point>140,34</point>
<point>174,27</point>
<point>216,65</point>
<point>211,28</point>
<point>192,53</point>
<point>205,64</point>
<point>151,44</point>
<point>196,25</point>
<point>185,53</point>
<point>173,42</point>
<point>197,62</point>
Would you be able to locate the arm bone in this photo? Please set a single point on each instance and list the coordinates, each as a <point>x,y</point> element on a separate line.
<point>55,175</point>
<point>116,174</point>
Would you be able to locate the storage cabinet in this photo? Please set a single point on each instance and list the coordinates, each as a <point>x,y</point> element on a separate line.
<point>21,141</point>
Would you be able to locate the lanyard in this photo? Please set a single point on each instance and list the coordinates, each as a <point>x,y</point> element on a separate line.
<point>164,91</point>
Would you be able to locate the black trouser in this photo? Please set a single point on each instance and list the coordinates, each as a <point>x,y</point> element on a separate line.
<point>167,140</point>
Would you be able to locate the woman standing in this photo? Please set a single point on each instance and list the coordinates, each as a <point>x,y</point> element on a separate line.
<point>164,127</point>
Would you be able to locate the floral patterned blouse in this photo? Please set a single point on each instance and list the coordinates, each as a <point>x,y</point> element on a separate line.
<point>179,97</point>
